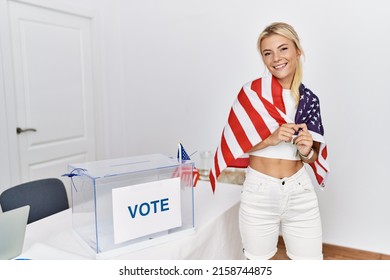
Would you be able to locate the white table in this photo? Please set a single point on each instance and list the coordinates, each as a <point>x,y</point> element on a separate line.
<point>216,234</point>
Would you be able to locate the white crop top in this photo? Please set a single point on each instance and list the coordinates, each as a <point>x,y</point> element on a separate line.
<point>283,150</point>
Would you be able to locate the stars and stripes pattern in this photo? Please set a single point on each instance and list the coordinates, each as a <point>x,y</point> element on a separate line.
<point>183,156</point>
<point>256,113</point>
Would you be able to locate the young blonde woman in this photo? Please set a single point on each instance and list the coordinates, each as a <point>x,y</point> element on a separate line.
<point>274,127</point>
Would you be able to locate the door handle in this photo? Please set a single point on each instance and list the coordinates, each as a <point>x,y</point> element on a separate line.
<point>21,130</point>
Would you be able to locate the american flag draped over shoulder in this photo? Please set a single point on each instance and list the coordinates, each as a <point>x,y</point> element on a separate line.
<point>256,113</point>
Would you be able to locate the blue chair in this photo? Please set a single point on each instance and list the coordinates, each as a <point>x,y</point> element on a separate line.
<point>45,197</point>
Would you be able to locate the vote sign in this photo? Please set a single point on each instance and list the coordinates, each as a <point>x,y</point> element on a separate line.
<point>144,209</point>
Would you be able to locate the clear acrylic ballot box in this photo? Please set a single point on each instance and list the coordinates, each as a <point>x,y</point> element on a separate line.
<point>121,205</point>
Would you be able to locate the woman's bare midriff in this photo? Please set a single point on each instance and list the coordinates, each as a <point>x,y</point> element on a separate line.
<point>277,168</point>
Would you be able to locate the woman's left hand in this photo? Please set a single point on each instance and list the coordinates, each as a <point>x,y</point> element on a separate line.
<point>304,140</point>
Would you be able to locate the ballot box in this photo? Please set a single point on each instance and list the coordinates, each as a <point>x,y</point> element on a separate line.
<point>121,205</point>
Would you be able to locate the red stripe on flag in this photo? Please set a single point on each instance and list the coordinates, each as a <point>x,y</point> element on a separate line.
<point>273,112</point>
<point>212,181</point>
<point>226,152</point>
<point>216,172</point>
<point>256,86</point>
<point>256,118</point>
<point>319,178</point>
<point>239,131</point>
<point>323,168</point>
<point>240,163</point>
<point>216,164</point>
<point>195,176</point>
<point>271,109</point>
<point>277,95</point>
<point>324,153</point>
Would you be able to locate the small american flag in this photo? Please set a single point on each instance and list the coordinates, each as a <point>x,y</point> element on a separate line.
<point>256,113</point>
<point>183,156</point>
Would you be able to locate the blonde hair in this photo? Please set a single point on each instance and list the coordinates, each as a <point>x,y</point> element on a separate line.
<point>285,30</point>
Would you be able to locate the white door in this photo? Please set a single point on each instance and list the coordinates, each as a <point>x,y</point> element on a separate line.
<point>54,92</point>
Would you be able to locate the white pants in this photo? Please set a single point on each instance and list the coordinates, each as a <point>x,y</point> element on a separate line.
<point>270,205</point>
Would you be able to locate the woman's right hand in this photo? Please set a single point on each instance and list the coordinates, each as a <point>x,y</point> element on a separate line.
<point>284,133</point>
